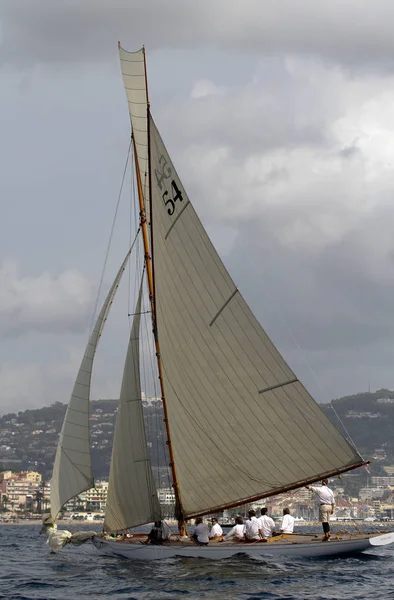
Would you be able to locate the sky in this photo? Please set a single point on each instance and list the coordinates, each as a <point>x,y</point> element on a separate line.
<point>279,117</point>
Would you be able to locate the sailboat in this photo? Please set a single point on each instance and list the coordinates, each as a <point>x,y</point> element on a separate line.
<point>216,365</point>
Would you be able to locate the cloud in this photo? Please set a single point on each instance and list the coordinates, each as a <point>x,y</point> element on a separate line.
<point>20,385</point>
<point>337,31</point>
<point>34,383</point>
<point>279,119</point>
<point>44,303</point>
<point>204,88</point>
<point>308,212</point>
<point>316,145</point>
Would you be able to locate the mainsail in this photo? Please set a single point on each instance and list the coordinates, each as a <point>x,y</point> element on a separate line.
<point>132,497</point>
<point>242,425</point>
<point>72,470</point>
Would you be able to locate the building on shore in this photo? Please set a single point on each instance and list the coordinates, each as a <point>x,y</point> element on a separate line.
<point>23,490</point>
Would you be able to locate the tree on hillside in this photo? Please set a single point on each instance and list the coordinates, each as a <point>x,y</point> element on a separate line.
<point>4,500</point>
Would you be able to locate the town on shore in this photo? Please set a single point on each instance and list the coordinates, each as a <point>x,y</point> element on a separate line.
<point>25,496</point>
<point>28,441</point>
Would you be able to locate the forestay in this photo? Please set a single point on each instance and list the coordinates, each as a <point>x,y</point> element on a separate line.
<point>132,497</point>
<point>133,71</point>
<point>241,423</point>
<point>72,470</point>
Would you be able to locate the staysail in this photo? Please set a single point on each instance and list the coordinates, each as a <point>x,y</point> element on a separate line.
<point>72,470</point>
<point>132,497</point>
<point>242,425</point>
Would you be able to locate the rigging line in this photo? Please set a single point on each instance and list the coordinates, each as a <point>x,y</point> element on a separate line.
<point>155,416</point>
<point>110,238</point>
<point>161,445</point>
<point>156,430</point>
<point>304,358</point>
<point>134,213</point>
<point>132,203</point>
<point>143,351</point>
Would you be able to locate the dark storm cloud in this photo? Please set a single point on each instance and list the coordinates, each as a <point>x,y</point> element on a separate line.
<point>337,305</point>
<point>342,31</point>
<point>274,110</point>
<point>44,303</point>
<point>282,136</point>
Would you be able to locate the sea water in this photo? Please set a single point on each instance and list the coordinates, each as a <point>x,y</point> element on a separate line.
<point>28,570</point>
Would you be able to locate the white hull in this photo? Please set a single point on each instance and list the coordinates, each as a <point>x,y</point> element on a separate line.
<point>219,551</point>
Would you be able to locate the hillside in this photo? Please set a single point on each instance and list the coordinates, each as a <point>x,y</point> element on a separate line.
<point>369,420</point>
<point>28,439</point>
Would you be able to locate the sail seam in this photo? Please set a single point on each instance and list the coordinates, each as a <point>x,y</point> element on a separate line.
<point>70,408</point>
<point>132,61</point>
<point>76,425</point>
<point>79,398</point>
<point>177,219</point>
<point>135,90</point>
<point>136,116</point>
<point>74,437</point>
<point>223,307</point>
<point>278,385</point>
<point>88,479</point>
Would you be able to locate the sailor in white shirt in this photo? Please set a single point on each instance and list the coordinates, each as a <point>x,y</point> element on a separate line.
<point>216,531</point>
<point>237,532</point>
<point>252,527</point>
<point>201,532</point>
<point>266,524</point>
<point>287,525</point>
<point>327,505</point>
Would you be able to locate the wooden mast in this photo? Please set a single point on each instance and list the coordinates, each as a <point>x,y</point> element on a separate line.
<point>150,275</point>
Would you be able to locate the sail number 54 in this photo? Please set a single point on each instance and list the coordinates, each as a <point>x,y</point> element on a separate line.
<point>162,175</point>
<point>176,195</point>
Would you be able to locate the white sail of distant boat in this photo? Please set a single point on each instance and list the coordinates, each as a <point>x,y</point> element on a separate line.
<point>216,365</point>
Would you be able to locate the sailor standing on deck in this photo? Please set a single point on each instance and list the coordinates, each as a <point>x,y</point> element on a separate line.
<point>327,505</point>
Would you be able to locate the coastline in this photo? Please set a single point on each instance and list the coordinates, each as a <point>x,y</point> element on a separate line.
<point>76,523</point>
